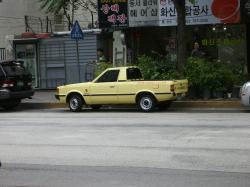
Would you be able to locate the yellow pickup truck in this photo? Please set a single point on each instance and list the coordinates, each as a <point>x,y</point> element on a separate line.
<point>122,85</point>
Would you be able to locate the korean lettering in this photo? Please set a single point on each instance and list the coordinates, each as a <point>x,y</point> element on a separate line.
<point>154,2</point>
<point>188,11</point>
<point>121,18</point>
<point>105,8</point>
<point>154,12</point>
<point>144,12</point>
<point>132,3</point>
<point>150,2</point>
<point>204,10</point>
<point>196,10</point>
<point>115,8</point>
<point>112,18</point>
<point>137,2</point>
<point>171,12</point>
<point>133,13</point>
<point>163,12</point>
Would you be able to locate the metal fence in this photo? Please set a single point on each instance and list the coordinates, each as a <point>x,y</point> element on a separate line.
<point>3,54</point>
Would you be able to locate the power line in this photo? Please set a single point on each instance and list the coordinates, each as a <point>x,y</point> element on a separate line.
<point>4,17</point>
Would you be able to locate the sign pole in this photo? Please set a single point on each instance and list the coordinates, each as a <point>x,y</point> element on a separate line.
<point>77,34</point>
<point>78,61</point>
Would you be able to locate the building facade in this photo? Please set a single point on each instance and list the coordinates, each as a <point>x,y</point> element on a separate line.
<point>18,16</point>
<point>220,27</point>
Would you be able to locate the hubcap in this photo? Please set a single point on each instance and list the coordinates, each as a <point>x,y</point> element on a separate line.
<point>74,103</point>
<point>146,103</point>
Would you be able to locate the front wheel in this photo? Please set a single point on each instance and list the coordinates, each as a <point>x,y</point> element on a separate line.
<point>146,103</point>
<point>75,103</point>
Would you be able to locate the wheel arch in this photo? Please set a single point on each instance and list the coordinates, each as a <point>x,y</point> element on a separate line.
<point>145,92</point>
<point>74,93</point>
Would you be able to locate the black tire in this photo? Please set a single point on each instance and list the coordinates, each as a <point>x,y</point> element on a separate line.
<point>75,103</point>
<point>95,107</point>
<point>146,102</point>
<point>164,105</point>
<point>11,105</point>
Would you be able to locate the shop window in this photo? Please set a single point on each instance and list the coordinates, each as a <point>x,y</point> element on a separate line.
<point>226,43</point>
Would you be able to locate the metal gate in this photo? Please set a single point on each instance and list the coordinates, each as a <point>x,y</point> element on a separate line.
<point>3,54</point>
<point>60,64</point>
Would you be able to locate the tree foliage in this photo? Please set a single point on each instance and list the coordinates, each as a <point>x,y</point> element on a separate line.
<point>68,7</point>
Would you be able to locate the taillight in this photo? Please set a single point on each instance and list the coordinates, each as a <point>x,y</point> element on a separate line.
<point>172,88</point>
<point>8,83</point>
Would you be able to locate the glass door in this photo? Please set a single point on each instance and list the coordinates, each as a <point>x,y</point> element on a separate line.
<point>27,53</point>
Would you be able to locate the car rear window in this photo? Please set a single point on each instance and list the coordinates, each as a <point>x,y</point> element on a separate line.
<point>12,69</point>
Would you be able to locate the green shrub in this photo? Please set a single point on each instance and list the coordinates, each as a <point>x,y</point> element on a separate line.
<point>158,67</point>
<point>101,66</point>
<point>214,75</point>
<point>199,73</point>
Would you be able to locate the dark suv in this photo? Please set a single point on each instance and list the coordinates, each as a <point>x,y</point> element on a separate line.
<point>15,83</point>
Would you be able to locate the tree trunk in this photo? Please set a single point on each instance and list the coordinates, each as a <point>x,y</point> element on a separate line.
<point>181,27</point>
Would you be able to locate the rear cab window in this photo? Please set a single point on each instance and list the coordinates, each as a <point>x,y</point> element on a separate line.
<point>134,74</point>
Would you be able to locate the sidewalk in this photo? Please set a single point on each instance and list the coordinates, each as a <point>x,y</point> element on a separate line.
<point>45,99</point>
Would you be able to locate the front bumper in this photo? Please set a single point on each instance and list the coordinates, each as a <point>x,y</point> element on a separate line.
<point>7,94</point>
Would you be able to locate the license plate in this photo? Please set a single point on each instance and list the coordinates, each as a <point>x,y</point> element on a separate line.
<point>20,83</point>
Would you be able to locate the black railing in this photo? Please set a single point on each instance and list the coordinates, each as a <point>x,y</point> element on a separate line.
<point>2,54</point>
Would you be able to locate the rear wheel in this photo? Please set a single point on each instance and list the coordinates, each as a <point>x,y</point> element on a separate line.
<point>146,103</point>
<point>75,103</point>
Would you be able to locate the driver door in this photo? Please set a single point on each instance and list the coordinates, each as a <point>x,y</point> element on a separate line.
<point>104,90</point>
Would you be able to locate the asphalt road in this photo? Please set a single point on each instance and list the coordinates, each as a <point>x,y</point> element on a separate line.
<point>125,148</point>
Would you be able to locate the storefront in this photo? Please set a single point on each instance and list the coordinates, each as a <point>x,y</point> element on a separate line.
<point>222,37</point>
<point>54,61</point>
<point>227,43</point>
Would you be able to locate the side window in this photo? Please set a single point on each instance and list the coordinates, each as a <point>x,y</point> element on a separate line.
<point>133,73</point>
<point>109,76</point>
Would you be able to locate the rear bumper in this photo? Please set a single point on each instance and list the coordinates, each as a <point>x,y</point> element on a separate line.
<point>7,94</point>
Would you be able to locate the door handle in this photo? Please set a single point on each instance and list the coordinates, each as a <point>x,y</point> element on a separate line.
<point>112,86</point>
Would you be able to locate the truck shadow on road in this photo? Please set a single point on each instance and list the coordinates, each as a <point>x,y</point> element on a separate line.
<point>171,110</point>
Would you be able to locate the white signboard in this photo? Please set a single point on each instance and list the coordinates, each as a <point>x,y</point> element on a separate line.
<point>165,14</point>
<point>143,13</point>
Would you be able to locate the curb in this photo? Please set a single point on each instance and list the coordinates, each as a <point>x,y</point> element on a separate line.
<point>43,105</point>
<point>176,104</point>
<point>207,104</point>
